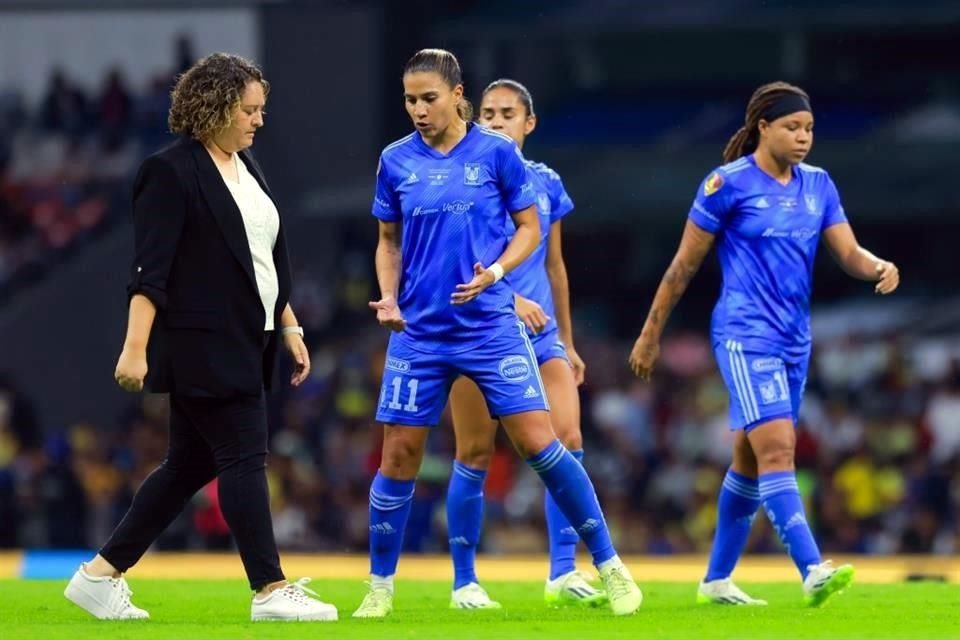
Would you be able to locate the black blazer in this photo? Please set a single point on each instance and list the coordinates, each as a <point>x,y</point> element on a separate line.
<point>192,260</point>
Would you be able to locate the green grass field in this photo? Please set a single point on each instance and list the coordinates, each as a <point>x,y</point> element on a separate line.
<point>220,609</point>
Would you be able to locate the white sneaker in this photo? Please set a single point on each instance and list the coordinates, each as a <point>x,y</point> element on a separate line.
<point>624,594</point>
<point>572,590</point>
<point>293,603</point>
<point>825,580</point>
<point>105,598</point>
<point>472,596</point>
<point>725,592</point>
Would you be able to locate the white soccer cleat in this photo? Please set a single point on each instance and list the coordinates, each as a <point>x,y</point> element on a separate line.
<point>105,598</point>
<point>572,590</point>
<point>825,580</point>
<point>378,603</point>
<point>725,592</point>
<point>292,603</point>
<point>472,596</point>
<point>624,594</point>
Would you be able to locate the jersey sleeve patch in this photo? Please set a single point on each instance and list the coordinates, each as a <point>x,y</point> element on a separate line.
<point>712,184</point>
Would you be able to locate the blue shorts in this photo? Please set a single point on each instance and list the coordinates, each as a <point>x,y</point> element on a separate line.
<point>762,387</point>
<point>416,384</point>
<point>548,346</point>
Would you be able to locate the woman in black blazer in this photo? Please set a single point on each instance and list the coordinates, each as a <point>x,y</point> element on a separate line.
<point>208,310</point>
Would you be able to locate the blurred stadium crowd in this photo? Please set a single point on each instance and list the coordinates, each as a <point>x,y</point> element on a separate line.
<point>879,454</point>
<point>65,163</point>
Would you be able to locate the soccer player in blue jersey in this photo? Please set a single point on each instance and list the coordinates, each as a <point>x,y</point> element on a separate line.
<point>443,197</point>
<point>765,210</point>
<point>542,302</point>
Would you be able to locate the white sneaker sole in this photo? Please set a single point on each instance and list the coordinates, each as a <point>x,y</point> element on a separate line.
<point>320,616</point>
<point>78,596</point>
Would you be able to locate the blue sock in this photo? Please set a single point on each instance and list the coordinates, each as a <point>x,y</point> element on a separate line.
<point>736,508</point>
<point>570,486</point>
<point>781,500</point>
<point>389,510</point>
<point>563,537</point>
<point>464,519</point>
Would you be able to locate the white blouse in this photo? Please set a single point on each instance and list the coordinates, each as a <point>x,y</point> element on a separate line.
<point>262,224</point>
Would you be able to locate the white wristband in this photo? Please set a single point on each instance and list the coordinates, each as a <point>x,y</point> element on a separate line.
<point>497,270</point>
<point>288,330</point>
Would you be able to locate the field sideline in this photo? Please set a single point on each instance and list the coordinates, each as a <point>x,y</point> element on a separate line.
<point>682,568</point>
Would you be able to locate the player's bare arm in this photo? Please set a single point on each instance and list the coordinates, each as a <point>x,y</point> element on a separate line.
<point>858,262</point>
<point>694,246</point>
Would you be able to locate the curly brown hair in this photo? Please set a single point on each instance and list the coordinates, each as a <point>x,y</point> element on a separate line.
<point>206,94</point>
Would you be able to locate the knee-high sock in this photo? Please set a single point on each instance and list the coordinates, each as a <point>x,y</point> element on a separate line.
<point>562,536</point>
<point>464,521</point>
<point>389,510</point>
<point>570,486</point>
<point>736,509</point>
<point>784,507</point>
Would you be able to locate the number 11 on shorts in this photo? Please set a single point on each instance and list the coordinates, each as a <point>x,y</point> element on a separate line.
<point>397,384</point>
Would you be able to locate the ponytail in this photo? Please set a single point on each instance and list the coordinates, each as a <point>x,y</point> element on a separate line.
<point>741,143</point>
<point>465,109</point>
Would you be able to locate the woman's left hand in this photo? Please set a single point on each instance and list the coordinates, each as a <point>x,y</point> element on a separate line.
<point>577,364</point>
<point>482,278</point>
<point>301,358</point>
<point>888,278</point>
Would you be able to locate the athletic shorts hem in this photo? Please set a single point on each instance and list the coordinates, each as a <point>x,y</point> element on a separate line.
<point>747,428</point>
<point>516,409</point>
<point>405,422</point>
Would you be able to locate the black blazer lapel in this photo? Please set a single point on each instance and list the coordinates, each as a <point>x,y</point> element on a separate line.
<point>224,208</point>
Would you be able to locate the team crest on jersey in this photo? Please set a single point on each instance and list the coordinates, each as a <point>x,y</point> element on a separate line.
<point>713,184</point>
<point>543,204</point>
<point>811,201</point>
<point>471,174</point>
<point>515,368</point>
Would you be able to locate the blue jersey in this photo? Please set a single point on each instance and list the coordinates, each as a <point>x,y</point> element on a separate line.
<point>530,278</point>
<point>453,210</point>
<point>767,237</point>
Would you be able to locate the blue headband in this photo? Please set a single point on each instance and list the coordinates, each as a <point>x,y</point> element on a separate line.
<point>785,104</point>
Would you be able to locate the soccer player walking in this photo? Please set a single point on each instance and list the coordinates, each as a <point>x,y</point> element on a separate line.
<point>542,301</point>
<point>765,210</point>
<point>443,196</point>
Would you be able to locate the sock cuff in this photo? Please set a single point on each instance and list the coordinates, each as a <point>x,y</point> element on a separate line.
<point>772,484</point>
<point>548,458</point>
<point>577,453</point>
<point>741,485</point>
<point>469,473</point>
<point>387,494</point>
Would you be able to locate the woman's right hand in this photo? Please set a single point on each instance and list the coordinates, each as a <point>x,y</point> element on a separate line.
<point>388,314</point>
<point>644,356</point>
<point>131,369</point>
<point>531,314</point>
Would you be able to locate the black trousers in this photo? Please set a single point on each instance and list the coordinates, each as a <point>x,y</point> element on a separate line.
<point>224,438</point>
